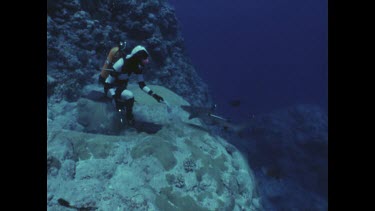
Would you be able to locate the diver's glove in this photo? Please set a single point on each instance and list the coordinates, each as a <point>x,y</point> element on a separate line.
<point>157,97</point>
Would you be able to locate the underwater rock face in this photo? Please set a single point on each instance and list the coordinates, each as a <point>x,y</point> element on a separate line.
<point>178,168</point>
<point>80,34</point>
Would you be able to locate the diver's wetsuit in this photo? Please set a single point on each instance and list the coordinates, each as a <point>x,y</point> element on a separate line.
<point>116,83</point>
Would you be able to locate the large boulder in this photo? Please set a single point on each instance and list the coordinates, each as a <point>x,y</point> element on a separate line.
<point>179,167</point>
<point>176,169</point>
<point>101,117</point>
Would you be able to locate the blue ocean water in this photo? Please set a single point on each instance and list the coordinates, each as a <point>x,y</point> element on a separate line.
<point>268,54</point>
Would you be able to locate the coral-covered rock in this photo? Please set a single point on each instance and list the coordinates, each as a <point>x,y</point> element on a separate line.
<point>177,168</point>
<point>76,28</point>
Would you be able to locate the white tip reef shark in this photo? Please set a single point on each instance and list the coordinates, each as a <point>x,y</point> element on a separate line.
<point>206,114</point>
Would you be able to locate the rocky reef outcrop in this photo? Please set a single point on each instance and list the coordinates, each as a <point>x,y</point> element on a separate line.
<point>92,163</point>
<point>80,34</point>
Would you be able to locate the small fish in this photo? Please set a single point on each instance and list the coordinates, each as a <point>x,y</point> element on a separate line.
<point>273,172</point>
<point>65,203</point>
<point>235,103</point>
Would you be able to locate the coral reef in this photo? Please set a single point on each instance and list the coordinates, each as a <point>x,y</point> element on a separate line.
<point>189,165</point>
<point>177,168</point>
<point>80,34</point>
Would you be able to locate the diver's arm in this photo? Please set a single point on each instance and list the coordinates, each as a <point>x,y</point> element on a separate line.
<point>118,65</point>
<point>142,84</point>
<point>115,70</point>
<point>146,89</point>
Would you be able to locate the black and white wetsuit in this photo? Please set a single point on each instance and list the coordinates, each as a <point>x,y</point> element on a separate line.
<point>117,81</point>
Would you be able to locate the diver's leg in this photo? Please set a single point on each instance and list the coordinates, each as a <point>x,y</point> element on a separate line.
<point>128,99</point>
<point>111,93</point>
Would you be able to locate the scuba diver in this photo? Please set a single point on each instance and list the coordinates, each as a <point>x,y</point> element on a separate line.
<point>116,82</point>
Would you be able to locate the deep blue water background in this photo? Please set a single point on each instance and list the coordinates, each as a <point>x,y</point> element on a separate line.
<point>267,53</point>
